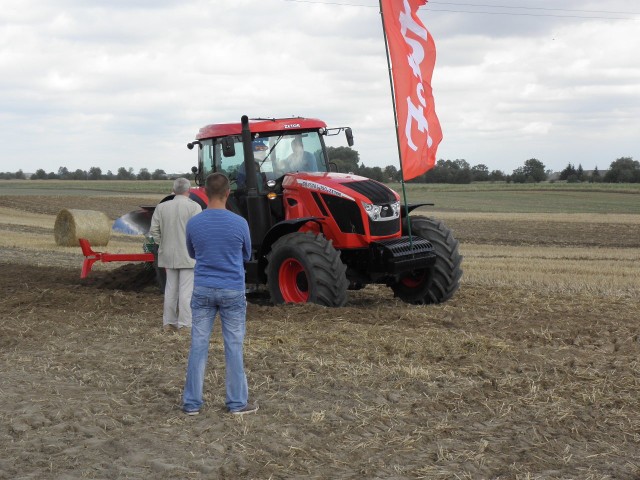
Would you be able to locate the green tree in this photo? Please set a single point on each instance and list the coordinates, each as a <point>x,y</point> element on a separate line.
<point>63,173</point>
<point>448,171</point>
<point>20,175</point>
<point>95,173</point>
<point>159,174</point>
<point>479,173</point>
<point>518,176</point>
<point>534,170</point>
<point>374,173</point>
<point>78,174</point>
<point>144,174</point>
<point>623,170</point>
<point>124,174</point>
<point>497,176</point>
<point>345,158</point>
<point>568,172</point>
<point>391,174</point>
<point>39,175</point>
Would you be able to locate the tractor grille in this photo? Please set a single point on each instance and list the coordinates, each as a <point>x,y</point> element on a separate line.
<point>384,228</point>
<point>401,247</point>
<point>396,256</point>
<point>374,191</point>
<point>346,214</point>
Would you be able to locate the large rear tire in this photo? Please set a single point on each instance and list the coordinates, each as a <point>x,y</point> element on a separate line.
<point>439,285</point>
<point>305,268</point>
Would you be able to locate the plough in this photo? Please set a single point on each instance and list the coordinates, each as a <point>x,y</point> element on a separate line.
<point>91,257</point>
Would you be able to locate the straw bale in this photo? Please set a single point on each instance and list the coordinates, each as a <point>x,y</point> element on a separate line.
<point>71,225</point>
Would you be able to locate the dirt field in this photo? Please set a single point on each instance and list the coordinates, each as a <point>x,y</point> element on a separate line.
<point>521,375</point>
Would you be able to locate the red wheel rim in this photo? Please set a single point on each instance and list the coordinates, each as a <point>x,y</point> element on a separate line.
<point>292,278</point>
<point>414,280</point>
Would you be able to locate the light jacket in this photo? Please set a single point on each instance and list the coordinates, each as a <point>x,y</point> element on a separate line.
<point>168,229</point>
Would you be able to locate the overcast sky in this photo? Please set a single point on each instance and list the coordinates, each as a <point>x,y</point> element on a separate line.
<point>129,82</point>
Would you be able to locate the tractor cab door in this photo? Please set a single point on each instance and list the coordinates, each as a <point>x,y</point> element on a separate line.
<point>226,155</point>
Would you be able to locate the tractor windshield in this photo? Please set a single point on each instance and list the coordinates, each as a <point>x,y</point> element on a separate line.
<point>275,154</point>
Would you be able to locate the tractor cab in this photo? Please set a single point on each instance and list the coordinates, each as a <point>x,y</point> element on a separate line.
<point>274,155</point>
<point>257,158</point>
<point>278,147</point>
<point>268,151</point>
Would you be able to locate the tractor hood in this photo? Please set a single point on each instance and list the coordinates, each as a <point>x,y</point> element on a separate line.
<point>348,186</point>
<point>347,205</point>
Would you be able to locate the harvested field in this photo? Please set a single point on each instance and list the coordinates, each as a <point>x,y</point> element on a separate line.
<point>530,371</point>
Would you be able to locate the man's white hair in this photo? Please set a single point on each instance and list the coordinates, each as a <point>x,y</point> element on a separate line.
<point>181,185</point>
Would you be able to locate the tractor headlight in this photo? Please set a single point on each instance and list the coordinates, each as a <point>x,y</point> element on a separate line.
<point>372,210</point>
<point>396,209</point>
<point>382,212</point>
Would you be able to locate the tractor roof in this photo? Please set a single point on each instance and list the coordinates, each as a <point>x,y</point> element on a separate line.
<point>260,125</point>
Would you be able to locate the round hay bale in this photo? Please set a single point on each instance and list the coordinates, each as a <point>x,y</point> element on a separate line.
<point>71,225</point>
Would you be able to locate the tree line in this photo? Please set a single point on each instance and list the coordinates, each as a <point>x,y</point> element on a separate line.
<point>94,173</point>
<point>621,170</point>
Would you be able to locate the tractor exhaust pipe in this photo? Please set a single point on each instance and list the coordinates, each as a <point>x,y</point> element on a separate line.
<point>258,215</point>
<point>249,162</point>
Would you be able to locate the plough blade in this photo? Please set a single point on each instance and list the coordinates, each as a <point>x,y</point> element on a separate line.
<point>137,222</point>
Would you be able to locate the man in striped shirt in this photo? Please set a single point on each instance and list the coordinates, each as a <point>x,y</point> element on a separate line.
<point>220,243</point>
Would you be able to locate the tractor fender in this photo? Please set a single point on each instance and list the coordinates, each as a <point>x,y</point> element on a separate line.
<point>280,229</point>
<point>413,206</point>
<point>194,194</point>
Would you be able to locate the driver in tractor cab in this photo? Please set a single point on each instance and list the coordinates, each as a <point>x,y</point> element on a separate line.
<point>300,160</point>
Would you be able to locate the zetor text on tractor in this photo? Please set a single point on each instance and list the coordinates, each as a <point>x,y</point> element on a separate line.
<point>317,233</point>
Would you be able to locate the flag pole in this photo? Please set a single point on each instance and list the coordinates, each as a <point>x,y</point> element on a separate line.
<point>395,119</point>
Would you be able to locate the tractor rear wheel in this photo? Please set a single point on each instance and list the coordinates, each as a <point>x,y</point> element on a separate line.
<point>439,284</point>
<point>305,268</point>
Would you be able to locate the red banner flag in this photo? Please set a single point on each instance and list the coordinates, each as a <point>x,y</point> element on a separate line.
<point>413,56</point>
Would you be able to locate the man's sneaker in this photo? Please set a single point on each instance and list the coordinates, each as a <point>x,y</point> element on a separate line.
<point>248,408</point>
<point>191,413</point>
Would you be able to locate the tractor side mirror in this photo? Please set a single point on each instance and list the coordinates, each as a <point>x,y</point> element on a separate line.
<point>228,147</point>
<point>349,135</point>
<point>194,169</point>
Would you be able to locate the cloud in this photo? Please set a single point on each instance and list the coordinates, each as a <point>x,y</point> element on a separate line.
<point>129,83</point>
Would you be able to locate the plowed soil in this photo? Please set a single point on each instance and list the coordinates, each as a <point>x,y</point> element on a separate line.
<point>500,382</point>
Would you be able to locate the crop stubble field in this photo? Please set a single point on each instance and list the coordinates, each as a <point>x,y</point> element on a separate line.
<point>530,371</point>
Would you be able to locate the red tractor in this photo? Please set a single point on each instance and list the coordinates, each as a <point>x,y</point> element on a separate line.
<point>317,233</point>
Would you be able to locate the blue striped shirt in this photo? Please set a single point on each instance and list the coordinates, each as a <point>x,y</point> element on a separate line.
<point>219,241</point>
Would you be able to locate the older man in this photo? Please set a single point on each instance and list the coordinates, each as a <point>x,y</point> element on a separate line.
<point>168,226</point>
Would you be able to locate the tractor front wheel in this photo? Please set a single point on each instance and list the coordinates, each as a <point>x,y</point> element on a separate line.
<point>440,283</point>
<point>305,268</point>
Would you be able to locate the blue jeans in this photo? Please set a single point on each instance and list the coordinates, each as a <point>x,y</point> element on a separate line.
<point>206,302</point>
